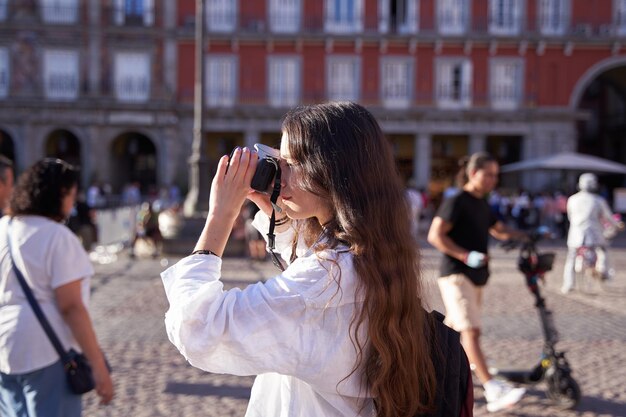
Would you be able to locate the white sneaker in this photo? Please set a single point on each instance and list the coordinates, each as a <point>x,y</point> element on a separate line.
<point>501,395</point>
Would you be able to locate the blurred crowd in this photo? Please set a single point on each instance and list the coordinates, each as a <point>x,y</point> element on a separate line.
<point>521,209</point>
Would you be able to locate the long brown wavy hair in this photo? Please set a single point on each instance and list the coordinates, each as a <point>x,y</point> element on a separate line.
<point>343,156</point>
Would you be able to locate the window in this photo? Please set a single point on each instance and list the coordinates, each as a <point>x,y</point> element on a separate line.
<point>221,15</point>
<point>400,16</point>
<point>505,17</point>
<point>396,82</point>
<point>619,11</point>
<point>344,16</point>
<point>452,16</point>
<point>3,10</point>
<point>132,77</point>
<point>59,11</point>
<point>343,78</point>
<point>4,72</point>
<point>454,83</point>
<point>221,81</point>
<point>505,83</point>
<point>285,15</point>
<point>553,16</point>
<point>60,74</point>
<point>284,81</point>
<point>134,12</point>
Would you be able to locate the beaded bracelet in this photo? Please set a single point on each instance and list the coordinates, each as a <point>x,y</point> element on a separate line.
<point>204,252</point>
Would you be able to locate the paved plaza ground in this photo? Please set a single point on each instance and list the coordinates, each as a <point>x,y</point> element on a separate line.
<point>152,379</point>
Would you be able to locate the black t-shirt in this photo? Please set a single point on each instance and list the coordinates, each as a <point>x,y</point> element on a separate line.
<point>471,219</point>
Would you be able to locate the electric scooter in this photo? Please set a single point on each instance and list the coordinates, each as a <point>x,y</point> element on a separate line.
<point>553,367</point>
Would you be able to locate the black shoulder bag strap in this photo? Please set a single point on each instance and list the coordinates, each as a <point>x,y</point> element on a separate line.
<point>35,305</point>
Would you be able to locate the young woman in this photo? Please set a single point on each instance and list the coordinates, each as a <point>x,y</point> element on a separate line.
<point>57,269</point>
<point>342,331</point>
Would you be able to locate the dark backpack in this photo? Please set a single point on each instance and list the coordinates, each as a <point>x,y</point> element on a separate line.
<point>455,392</point>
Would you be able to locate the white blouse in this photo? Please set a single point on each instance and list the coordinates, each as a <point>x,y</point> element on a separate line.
<point>293,331</point>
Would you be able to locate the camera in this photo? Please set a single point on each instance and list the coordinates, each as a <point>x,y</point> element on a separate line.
<point>266,169</point>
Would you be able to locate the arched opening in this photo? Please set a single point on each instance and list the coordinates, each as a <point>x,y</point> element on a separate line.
<point>603,132</point>
<point>63,144</point>
<point>133,159</point>
<point>7,146</point>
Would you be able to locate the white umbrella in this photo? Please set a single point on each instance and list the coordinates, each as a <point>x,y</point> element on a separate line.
<point>567,161</point>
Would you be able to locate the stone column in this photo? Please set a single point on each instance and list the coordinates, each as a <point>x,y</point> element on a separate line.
<point>251,137</point>
<point>101,164</point>
<point>529,147</point>
<point>197,200</point>
<point>422,154</point>
<point>477,143</point>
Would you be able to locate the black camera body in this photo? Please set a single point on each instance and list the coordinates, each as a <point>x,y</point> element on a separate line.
<point>266,169</point>
<point>264,174</point>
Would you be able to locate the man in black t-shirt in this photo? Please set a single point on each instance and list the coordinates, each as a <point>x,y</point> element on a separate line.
<point>460,230</point>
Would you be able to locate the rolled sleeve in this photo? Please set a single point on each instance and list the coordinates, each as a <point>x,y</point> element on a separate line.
<point>189,284</point>
<point>242,332</point>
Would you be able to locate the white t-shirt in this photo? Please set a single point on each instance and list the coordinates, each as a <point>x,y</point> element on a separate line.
<point>49,256</point>
<point>292,331</point>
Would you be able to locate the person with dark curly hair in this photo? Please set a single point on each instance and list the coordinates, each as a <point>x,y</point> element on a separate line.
<point>58,271</point>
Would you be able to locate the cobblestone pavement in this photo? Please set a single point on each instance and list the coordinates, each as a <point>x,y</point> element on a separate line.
<point>152,379</point>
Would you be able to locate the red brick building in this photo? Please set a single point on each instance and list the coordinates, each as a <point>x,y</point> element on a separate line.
<point>519,78</point>
<point>109,84</point>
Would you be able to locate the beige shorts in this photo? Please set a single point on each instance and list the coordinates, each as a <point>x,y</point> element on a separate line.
<point>462,300</point>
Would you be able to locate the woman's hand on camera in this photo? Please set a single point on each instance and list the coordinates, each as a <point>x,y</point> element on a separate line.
<point>264,204</point>
<point>231,184</point>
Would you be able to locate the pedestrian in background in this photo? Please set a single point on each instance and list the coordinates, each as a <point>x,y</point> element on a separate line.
<point>147,233</point>
<point>82,222</point>
<point>6,182</point>
<point>58,270</point>
<point>588,215</point>
<point>342,331</point>
<point>460,230</point>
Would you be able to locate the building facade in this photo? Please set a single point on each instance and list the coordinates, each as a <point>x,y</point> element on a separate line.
<point>92,82</point>
<point>110,84</point>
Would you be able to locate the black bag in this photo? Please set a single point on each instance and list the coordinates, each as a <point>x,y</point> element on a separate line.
<point>454,395</point>
<point>78,372</point>
<point>76,365</point>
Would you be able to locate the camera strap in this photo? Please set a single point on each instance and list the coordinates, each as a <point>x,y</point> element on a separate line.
<point>271,236</point>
